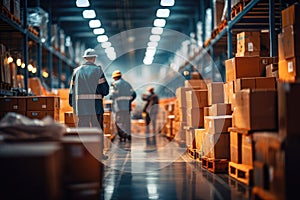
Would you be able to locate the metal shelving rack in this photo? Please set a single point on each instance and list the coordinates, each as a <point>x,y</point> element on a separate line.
<point>256,15</point>
<point>22,32</point>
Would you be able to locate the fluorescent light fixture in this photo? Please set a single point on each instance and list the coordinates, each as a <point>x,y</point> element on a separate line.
<point>94,23</point>
<point>98,31</point>
<point>167,2</point>
<point>157,30</point>
<point>109,50</point>
<point>163,13</point>
<point>30,67</point>
<point>10,60</point>
<point>23,65</point>
<point>33,70</point>
<point>82,3</point>
<point>154,38</point>
<point>150,53</point>
<point>159,22</point>
<point>102,38</point>
<point>105,45</point>
<point>19,62</point>
<point>88,14</point>
<point>148,60</point>
<point>112,55</point>
<point>152,44</point>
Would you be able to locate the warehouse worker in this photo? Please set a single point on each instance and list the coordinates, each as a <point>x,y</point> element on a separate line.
<point>150,109</point>
<point>122,95</point>
<point>87,88</point>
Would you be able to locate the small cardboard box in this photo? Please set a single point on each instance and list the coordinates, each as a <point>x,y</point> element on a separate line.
<point>216,146</point>
<point>220,109</point>
<point>195,117</point>
<point>291,39</point>
<point>42,114</point>
<point>288,70</point>
<point>291,15</point>
<point>70,118</point>
<point>181,95</point>
<point>217,124</point>
<point>241,67</point>
<point>196,98</point>
<point>195,84</point>
<point>215,93</point>
<point>255,109</point>
<point>248,42</point>
<point>229,90</point>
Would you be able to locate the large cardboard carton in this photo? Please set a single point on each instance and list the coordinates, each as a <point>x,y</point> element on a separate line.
<point>241,67</point>
<point>13,104</point>
<point>255,109</point>
<point>288,70</point>
<point>220,109</point>
<point>181,95</point>
<point>31,171</point>
<point>196,84</point>
<point>288,109</point>
<point>290,40</point>
<point>42,103</point>
<point>195,117</point>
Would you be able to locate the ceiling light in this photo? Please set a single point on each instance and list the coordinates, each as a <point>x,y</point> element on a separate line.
<point>157,30</point>
<point>94,23</point>
<point>154,38</point>
<point>33,70</point>
<point>19,62</point>
<point>152,44</point>
<point>102,38</point>
<point>150,53</point>
<point>82,3</point>
<point>88,14</point>
<point>105,45</point>
<point>109,50</point>
<point>30,67</point>
<point>148,60</point>
<point>98,31</point>
<point>167,2</point>
<point>163,13</point>
<point>159,22</point>
<point>112,55</point>
<point>23,65</point>
<point>45,74</point>
<point>10,60</point>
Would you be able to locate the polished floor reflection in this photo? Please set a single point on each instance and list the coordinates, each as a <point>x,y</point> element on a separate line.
<point>156,168</point>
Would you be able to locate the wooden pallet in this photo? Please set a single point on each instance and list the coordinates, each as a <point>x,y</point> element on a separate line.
<point>194,153</point>
<point>9,15</point>
<point>215,165</point>
<point>222,25</point>
<point>260,194</point>
<point>214,33</point>
<point>241,172</point>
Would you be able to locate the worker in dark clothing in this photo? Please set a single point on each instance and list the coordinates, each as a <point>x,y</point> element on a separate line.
<point>87,88</point>
<point>122,95</point>
<point>150,109</point>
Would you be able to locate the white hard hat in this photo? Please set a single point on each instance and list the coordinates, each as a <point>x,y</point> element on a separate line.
<point>89,53</point>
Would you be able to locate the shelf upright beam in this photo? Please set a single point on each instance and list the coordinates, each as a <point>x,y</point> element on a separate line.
<point>59,70</point>
<point>212,6</point>
<point>25,45</point>
<point>50,56</point>
<point>273,41</point>
<point>202,13</point>
<point>229,33</point>
<point>39,60</point>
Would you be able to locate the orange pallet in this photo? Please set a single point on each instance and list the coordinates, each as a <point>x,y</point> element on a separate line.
<point>241,172</point>
<point>214,33</point>
<point>236,9</point>
<point>222,25</point>
<point>215,165</point>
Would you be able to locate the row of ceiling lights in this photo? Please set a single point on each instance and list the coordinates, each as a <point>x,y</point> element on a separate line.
<point>159,23</point>
<point>95,24</point>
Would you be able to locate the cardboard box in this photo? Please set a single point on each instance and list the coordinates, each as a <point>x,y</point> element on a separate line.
<point>248,42</point>
<point>199,138</point>
<point>190,138</point>
<point>264,61</point>
<point>290,15</point>
<point>181,95</point>
<point>265,83</point>
<point>13,104</point>
<point>196,98</point>
<point>182,114</point>
<point>3,113</point>
<point>247,150</point>
<point>195,117</point>
<point>220,109</point>
<point>42,114</point>
<point>42,103</point>
<point>217,124</point>
<point>288,70</point>
<point>216,146</point>
<point>229,90</point>
<point>82,161</point>
<point>255,109</point>
<point>291,39</point>
<point>31,171</point>
<point>207,111</point>
<point>215,93</point>
<point>241,67</point>
<point>195,84</point>
<point>244,83</point>
<point>235,147</point>
<point>270,69</point>
<point>288,109</point>
<point>70,118</point>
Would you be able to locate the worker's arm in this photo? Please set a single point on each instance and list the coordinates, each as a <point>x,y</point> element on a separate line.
<point>102,87</point>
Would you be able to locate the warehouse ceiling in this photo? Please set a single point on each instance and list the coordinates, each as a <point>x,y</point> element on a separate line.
<point>118,17</point>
